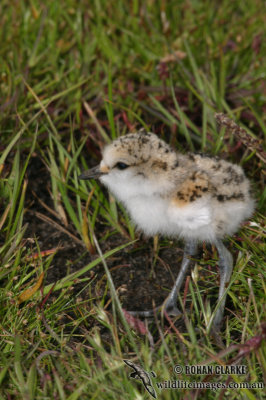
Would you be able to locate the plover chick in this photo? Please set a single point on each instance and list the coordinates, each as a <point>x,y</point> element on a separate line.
<point>193,196</point>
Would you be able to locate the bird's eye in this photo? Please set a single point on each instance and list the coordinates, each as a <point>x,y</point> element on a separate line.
<point>121,165</point>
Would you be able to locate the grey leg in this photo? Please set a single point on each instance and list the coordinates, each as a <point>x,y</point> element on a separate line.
<point>226,268</point>
<point>169,304</point>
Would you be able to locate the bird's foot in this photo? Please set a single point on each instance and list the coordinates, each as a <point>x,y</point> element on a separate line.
<point>167,307</point>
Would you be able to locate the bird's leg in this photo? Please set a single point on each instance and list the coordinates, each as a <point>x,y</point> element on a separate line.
<point>225,266</point>
<point>170,302</point>
<point>169,305</point>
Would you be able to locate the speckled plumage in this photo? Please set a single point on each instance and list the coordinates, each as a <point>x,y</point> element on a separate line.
<point>168,193</point>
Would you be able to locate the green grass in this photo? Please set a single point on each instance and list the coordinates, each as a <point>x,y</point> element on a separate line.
<point>73,76</point>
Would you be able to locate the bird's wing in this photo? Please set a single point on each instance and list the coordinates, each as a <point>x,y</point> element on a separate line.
<point>151,390</point>
<point>134,366</point>
<point>196,185</point>
<point>190,205</point>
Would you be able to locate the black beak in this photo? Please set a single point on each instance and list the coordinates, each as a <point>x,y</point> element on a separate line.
<point>93,173</point>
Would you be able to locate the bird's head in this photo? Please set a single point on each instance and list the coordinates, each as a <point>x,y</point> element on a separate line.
<point>135,164</point>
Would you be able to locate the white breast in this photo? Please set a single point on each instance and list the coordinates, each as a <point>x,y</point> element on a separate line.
<point>154,214</point>
<point>149,214</point>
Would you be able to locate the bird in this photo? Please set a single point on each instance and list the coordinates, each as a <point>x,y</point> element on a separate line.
<point>193,196</point>
<point>140,373</point>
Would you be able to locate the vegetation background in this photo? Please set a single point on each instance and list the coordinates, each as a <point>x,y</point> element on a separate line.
<point>73,76</point>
